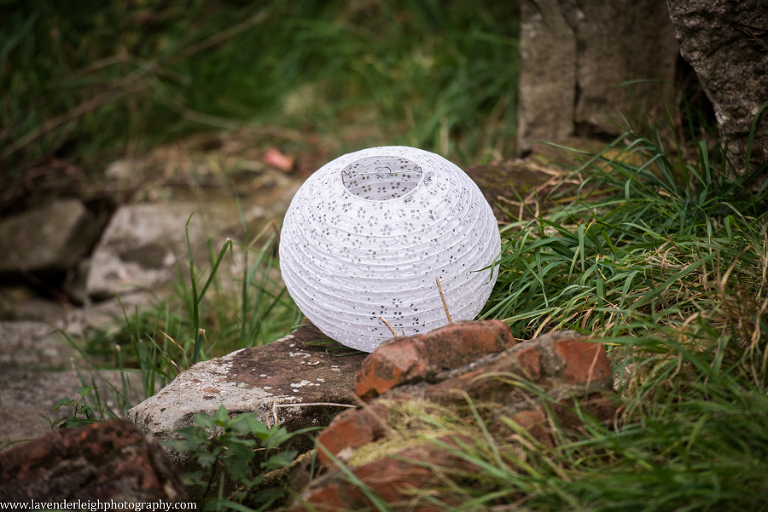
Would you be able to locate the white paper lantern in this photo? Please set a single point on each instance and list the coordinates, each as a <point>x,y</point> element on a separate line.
<point>367,234</point>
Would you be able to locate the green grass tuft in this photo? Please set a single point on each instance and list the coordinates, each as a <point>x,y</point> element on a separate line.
<point>647,250</point>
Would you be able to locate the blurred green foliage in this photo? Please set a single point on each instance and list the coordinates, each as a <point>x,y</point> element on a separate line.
<point>89,80</point>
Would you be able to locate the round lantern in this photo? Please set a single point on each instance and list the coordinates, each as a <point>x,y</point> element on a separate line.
<point>366,236</point>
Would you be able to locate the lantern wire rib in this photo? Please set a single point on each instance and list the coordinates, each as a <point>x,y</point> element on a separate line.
<point>394,332</point>
<point>445,304</point>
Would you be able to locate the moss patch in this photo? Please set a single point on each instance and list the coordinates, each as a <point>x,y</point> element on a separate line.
<point>412,421</point>
<point>506,185</point>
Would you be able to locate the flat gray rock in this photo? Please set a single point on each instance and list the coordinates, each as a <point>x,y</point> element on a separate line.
<point>27,396</point>
<point>37,368</point>
<point>143,243</point>
<point>34,345</point>
<point>49,239</point>
<point>292,381</point>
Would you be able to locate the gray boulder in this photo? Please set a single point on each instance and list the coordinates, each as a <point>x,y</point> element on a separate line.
<point>577,58</point>
<point>726,44</point>
<point>49,239</point>
<point>143,243</point>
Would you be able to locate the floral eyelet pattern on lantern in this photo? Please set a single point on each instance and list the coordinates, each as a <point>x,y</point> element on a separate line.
<point>367,234</point>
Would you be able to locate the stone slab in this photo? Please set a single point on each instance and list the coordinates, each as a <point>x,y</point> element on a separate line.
<point>27,397</point>
<point>278,382</point>
<point>49,239</point>
<point>32,344</point>
<point>144,243</point>
<point>37,368</point>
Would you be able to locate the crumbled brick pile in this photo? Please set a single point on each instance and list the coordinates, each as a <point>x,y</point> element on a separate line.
<point>477,363</point>
<point>424,399</point>
<point>105,461</point>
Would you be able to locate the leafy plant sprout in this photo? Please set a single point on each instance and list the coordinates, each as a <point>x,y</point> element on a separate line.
<point>225,449</point>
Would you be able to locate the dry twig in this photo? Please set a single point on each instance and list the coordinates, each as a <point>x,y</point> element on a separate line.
<point>442,297</point>
<point>394,332</point>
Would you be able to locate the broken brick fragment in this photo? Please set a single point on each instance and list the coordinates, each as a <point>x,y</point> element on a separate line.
<point>546,386</point>
<point>353,429</point>
<point>535,421</point>
<point>548,361</point>
<point>492,382</point>
<point>417,358</point>
<point>585,362</point>
<point>565,416</point>
<point>394,478</point>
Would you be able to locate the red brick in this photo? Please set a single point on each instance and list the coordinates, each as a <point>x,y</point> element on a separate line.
<point>585,362</point>
<point>416,358</point>
<point>529,358</point>
<point>492,382</point>
<point>536,423</point>
<point>393,478</point>
<point>461,343</point>
<point>353,429</point>
<point>388,366</point>
<point>601,406</point>
<point>552,360</point>
<point>325,499</point>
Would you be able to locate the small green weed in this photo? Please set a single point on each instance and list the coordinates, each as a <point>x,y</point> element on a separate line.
<point>226,450</point>
<point>83,413</point>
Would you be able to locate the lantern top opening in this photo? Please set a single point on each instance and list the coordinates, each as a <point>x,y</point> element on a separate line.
<point>382,178</point>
